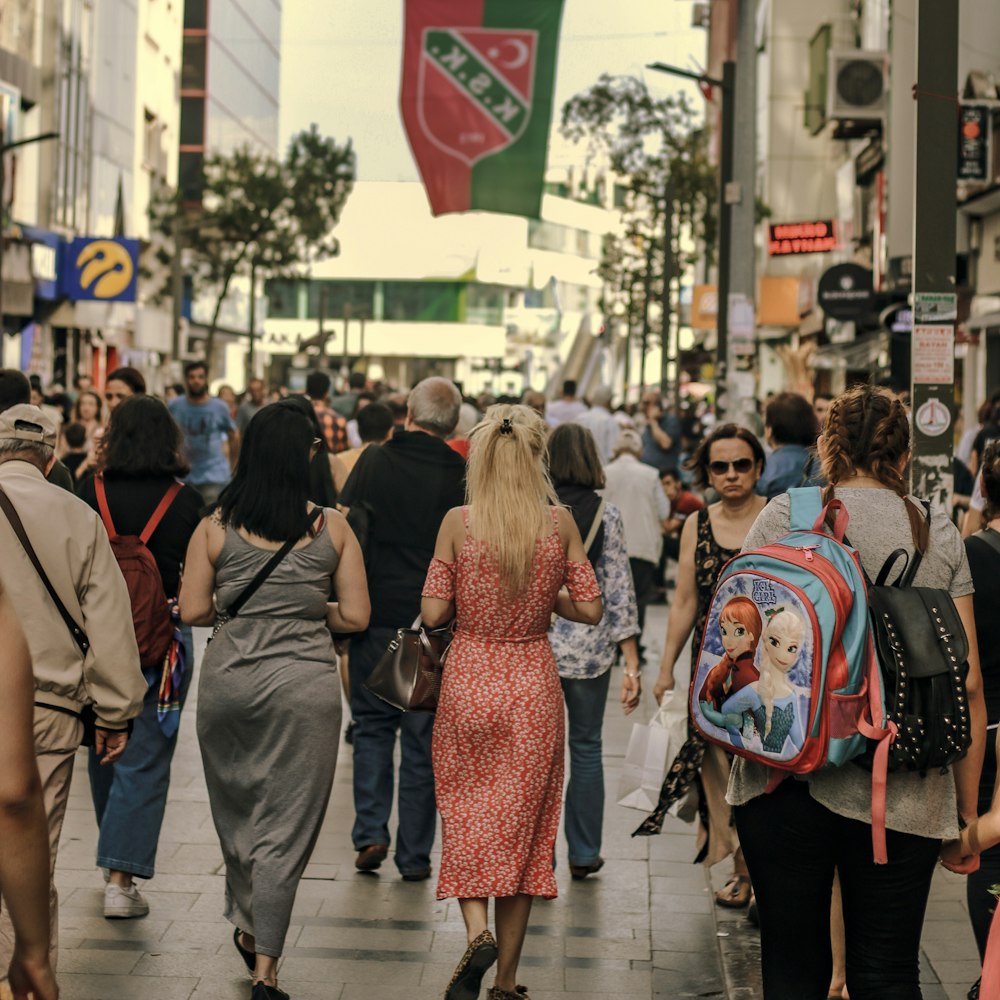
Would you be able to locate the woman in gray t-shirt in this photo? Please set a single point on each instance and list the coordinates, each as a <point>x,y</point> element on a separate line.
<point>795,837</point>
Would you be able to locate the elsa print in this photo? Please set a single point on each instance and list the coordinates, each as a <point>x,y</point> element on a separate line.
<point>770,702</point>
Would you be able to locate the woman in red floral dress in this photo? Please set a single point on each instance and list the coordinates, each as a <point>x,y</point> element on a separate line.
<point>502,565</point>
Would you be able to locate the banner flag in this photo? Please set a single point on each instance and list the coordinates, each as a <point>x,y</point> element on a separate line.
<point>476,100</point>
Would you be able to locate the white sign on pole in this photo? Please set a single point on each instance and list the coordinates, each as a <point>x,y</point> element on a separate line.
<point>933,355</point>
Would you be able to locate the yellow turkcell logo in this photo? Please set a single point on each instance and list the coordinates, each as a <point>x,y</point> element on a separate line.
<point>107,266</point>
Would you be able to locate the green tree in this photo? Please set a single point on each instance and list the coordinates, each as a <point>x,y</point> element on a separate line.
<point>658,148</point>
<point>258,216</point>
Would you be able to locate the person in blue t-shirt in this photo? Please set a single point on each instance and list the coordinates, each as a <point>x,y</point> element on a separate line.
<point>791,428</point>
<point>661,437</point>
<point>208,427</point>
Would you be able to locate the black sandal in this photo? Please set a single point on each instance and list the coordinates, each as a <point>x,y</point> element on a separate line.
<point>249,957</point>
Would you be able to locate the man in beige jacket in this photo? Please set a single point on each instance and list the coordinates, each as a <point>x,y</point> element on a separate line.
<point>73,548</point>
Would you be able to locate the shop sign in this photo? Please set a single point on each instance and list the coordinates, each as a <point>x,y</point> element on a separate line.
<point>704,307</point>
<point>102,270</point>
<point>791,238</point>
<point>933,418</point>
<point>933,355</point>
<point>935,307</point>
<point>972,142</point>
<point>845,291</point>
<point>45,247</point>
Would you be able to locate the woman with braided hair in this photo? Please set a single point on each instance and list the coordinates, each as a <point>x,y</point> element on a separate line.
<point>796,836</point>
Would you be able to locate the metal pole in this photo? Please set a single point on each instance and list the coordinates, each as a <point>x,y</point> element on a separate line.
<point>722,402</point>
<point>177,293</point>
<point>932,346</point>
<point>670,387</point>
<point>253,320</point>
<point>647,295</point>
<point>629,317</point>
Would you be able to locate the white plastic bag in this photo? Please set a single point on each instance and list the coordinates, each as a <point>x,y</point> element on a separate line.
<point>651,750</point>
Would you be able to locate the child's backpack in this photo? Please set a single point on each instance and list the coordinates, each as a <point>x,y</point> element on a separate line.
<point>154,629</point>
<point>787,675</point>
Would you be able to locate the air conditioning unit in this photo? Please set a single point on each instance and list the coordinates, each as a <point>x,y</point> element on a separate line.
<point>700,16</point>
<point>857,85</point>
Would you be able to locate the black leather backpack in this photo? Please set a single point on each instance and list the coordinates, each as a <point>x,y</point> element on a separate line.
<point>923,653</point>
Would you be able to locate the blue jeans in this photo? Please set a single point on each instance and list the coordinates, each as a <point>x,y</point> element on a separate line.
<point>375,728</point>
<point>585,703</point>
<point>130,795</point>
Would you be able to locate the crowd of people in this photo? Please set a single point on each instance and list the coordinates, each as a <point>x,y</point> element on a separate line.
<point>306,529</point>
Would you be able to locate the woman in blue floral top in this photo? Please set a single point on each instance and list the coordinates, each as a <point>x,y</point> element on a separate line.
<point>586,653</point>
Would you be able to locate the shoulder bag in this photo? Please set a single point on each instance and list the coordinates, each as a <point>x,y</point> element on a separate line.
<point>228,614</point>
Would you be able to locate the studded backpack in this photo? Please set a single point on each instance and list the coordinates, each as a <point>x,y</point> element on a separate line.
<point>923,653</point>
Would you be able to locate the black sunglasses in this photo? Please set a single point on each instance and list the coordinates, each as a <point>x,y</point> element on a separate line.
<point>741,465</point>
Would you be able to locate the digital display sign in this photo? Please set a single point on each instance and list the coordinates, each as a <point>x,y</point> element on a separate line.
<point>790,238</point>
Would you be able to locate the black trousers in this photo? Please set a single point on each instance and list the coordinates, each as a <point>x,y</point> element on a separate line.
<point>642,580</point>
<point>792,845</point>
<point>977,886</point>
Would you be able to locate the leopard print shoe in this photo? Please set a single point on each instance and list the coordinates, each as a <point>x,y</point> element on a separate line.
<point>468,978</point>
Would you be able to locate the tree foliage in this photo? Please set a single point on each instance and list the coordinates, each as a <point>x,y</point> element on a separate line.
<point>258,214</point>
<point>659,149</point>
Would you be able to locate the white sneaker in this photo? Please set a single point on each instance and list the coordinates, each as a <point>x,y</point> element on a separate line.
<point>121,903</point>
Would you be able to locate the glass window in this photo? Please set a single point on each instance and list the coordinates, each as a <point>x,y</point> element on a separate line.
<point>424,301</point>
<point>283,299</point>
<point>189,176</point>
<point>484,304</point>
<point>192,121</point>
<point>195,13</point>
<point>193,72</point>
<point>337,295</point>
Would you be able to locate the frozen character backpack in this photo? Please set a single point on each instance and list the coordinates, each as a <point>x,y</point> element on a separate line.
<point>787,674</point>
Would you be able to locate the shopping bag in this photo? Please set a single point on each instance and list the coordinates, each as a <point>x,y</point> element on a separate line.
<point>651,748</point>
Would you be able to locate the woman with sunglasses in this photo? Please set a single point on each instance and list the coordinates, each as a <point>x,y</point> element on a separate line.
<point>269,695</point>
<point>731,461</point>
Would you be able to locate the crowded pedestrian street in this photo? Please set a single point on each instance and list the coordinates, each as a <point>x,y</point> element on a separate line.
<point>643,928</point>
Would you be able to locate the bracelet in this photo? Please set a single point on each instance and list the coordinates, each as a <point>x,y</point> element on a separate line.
<point>632,675</point>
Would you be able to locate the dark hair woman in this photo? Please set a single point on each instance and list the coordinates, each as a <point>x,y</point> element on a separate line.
<point>730,461</point>
<point>121,384</point>
<point>794,837</point>
<point>139,466</point>
<point>983,550</point>
<point>270,671</point>
<point>322,488</point>
<point>585,653</point>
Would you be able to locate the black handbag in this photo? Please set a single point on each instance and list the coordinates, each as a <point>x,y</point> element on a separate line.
<point>923,652</point>
<point>408,676</point>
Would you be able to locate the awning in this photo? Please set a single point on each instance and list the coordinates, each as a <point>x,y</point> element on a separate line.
<point>987,321</point>
<point>855,355</point>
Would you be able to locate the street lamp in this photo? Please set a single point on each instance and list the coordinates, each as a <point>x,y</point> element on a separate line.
<point>5,148</point>
<point>727,85</point>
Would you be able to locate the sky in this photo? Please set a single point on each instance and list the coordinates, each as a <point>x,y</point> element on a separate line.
<point>340,66</point>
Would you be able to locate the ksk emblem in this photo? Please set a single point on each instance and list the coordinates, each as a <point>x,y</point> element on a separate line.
<point>475,88</point>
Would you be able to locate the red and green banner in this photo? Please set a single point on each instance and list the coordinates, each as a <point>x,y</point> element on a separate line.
<point>477,100</point>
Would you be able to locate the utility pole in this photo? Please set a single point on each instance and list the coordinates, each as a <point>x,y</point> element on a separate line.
<point>670,381</point>
<point>647,295</point>
<point>932,347</point>
<point>177,293</point>
<point>727,195</point>
<point>253,320</point>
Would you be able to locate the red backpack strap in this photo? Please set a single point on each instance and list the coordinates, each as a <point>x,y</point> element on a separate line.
<point>162,507</point>
<point>102,506</point>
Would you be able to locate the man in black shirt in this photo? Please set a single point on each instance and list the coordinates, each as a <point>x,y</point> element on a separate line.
<point>407,485</point>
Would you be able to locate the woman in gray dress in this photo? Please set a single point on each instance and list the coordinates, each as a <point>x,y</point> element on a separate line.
<point>269,697</point>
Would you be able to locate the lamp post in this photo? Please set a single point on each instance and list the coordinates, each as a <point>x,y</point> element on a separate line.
<point>727,86</point>
<point>5,148</point>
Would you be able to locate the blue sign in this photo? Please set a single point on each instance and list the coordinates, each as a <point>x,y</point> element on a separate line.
<point>101,269</point>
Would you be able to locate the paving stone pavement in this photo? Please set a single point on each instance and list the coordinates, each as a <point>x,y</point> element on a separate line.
<point>644,928</point>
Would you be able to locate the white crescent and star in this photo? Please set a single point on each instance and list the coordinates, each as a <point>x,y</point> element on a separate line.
<point>513,62</point>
